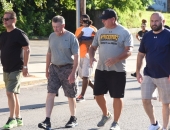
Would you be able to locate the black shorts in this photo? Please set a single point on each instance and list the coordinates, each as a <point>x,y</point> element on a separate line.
<point>111,81</point>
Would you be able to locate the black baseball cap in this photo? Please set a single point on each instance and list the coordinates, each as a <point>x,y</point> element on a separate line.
<point>108,13</point>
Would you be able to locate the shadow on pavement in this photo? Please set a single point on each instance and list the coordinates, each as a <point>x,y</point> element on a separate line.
<point>131,80</point>
<point>35,106</point>
<point>93,129</point>
<point>58,128</point>
<point>131,89</point>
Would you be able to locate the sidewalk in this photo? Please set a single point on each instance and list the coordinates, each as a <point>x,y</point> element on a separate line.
<point>36,66</point>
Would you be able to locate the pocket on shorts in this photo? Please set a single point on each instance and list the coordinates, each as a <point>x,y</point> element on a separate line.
<point>16,75</point>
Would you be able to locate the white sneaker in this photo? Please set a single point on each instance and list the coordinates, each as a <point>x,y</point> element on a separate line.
<point>153,127</point>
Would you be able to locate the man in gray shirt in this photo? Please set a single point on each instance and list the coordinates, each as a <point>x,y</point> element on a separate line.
<point>115,45</point>
<point>61,69</point>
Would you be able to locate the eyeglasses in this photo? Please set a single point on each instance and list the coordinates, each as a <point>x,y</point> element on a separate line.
<point>6,19</point>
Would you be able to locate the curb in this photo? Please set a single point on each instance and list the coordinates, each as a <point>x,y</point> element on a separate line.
<point>26,83</point>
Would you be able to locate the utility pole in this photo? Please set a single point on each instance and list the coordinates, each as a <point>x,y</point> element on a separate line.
<point>82,7</point>
<point>77,13</point>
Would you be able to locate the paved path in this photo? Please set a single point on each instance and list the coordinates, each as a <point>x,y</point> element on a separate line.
<point>88,113</point>
<point>37,64</point>
<point>33,97</point>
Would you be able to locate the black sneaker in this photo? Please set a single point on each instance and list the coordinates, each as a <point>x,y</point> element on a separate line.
<point>72,122</point>
<point>45,125</point>
<point>133,74</point>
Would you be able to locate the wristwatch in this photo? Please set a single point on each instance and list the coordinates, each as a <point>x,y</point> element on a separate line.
<point>25,67</point>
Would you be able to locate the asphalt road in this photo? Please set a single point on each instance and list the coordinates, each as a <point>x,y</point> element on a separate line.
<point>33,98</point>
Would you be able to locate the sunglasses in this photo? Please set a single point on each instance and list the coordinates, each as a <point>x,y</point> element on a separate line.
<point>6,19</point>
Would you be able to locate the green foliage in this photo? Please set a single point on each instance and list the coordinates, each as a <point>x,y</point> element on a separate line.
<point>34,16</point>
<point>122,5</point>
<point>68,4</point>
<point>6,5</point>
<point>124,8</point>
<point>39,3</point>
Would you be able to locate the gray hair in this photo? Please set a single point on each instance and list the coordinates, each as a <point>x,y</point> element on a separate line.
<point>12,13</point>
<point>58,18</point>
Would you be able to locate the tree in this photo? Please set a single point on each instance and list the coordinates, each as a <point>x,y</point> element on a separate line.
<point>122,5</point>
<point>34,16</point>
<point>124,8</point>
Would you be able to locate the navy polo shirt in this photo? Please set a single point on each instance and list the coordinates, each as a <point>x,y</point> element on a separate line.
<point>157,50</point>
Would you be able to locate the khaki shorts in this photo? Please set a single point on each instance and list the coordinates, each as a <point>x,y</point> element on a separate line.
<point>12,81</point>
<point>149,85</point>
<point>84,69</point>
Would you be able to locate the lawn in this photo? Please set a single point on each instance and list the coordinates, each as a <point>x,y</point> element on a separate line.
<point>147,14</point>
<point>133,20</point>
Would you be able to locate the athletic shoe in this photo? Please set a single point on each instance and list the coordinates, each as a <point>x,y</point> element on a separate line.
<point>72,122</point>
<point>45,125</point>
<point>11,123</point>
<point>80,98</point>
<point>153,127</point>
<point>19,122</point>
<point>104,120</point>
<point>115,126</point>
<point>133,74</point>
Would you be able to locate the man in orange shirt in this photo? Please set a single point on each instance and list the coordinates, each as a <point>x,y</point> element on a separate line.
<point>84,70</point>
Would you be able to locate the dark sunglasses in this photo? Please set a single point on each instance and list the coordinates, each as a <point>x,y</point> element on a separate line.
<point>6,19</point>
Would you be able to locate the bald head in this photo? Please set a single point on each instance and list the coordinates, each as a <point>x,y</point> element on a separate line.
<point>159,15</point>
<point>157,22</point>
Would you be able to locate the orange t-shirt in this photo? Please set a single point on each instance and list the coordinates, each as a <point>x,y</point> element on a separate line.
<point>83,48</point>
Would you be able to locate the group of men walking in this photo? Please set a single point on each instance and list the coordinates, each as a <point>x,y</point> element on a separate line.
<point>114,43</point>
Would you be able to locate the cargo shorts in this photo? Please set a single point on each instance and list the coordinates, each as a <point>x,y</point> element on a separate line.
<point>58,76</point>
<point>149,85</point>
<point>12,81</point>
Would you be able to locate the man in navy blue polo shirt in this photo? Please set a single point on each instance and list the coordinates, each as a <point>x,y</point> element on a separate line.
<point>155,47</point>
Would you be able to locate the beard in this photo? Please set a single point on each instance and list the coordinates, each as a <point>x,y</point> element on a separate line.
<point>156,27</point>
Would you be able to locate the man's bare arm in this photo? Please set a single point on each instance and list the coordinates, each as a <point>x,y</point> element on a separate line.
<point>140,57</point>
<point>26,59</point>
<point>72,76</point>
<point>75,64</point>
<point>139,66</point>
<point>26,54</point>
<point>92,51</point>
<point>48,62</point>
<point>113,60</point>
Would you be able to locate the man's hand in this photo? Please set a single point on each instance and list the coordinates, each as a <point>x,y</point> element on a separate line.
<point>91,61</point>
<point>139,77</point>
<point>71,78</point>
<point>111,61</point>
<point>25,72</point>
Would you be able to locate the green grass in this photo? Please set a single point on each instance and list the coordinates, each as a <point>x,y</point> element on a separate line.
<point>133,20</point>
